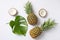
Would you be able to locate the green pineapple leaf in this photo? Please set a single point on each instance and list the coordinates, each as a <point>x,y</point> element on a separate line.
<point>28,7</point>
<point>48,24</point>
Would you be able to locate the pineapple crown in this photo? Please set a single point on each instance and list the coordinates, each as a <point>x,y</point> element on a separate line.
<point>48,24</point>
<point>28,7</point>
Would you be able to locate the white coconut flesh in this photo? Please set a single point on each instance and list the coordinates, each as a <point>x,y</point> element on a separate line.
<point>12,11</point>
<point>42,12</point>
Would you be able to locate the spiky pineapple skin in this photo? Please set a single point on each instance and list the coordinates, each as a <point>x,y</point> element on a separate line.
<point>32,19</point>
<point>35,32</point>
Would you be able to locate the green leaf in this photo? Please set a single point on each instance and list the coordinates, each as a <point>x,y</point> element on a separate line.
<point>11,23</point>
<point>48,24</point>
<point>20,25</point>
<point>17,18</point>
<point>28,8</point>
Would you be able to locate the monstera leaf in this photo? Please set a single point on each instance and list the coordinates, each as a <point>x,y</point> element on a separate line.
<point>19,25</point>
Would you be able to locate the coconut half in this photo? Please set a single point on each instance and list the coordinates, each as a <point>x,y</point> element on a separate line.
<point>12,11</point>
<point>42,12</point>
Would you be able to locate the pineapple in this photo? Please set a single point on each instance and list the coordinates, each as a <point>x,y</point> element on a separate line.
<point>35,32</point>
<point>38,30</point>
<point>32,18</point>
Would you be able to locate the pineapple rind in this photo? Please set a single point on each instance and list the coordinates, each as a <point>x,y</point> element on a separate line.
<point>32,19</point>
<point>35,32</point>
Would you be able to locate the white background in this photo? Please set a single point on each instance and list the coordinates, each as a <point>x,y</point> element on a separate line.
<point>52,6</point>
